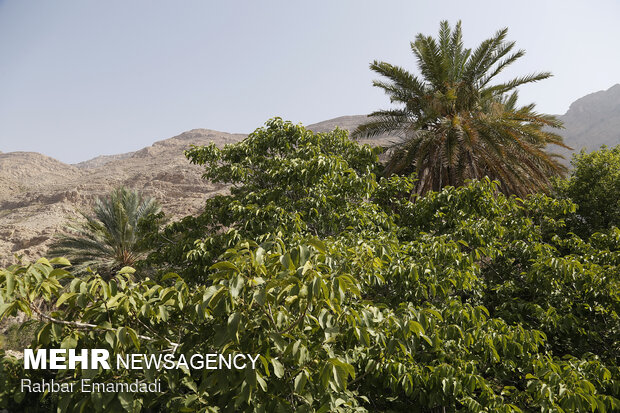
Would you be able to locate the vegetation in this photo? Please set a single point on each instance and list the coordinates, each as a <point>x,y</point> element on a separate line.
<point>456,125</point>
<point>113,236</point>
<point>356,295</point>
<point>17,336</point>
<point>594,185</point>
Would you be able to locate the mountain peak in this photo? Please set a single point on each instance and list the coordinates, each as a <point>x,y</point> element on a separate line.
<point>601,103</point>
<point>38,193</point>
<point>593,121</point>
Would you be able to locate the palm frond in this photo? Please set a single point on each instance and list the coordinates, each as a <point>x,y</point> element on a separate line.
<point>456,125</point>
<point>109,238</point>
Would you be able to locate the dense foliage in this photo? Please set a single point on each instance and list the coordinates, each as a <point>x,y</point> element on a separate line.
<point>358,295</point>
<point>455,124</point>
<point>594,185</point>
<point>112,236</point>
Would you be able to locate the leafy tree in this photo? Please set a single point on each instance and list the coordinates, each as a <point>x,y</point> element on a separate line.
<point>594,185</point>
<point>456,125</point>
<point>355,296</point>
<point>113,236</point>
<point>283,179</point>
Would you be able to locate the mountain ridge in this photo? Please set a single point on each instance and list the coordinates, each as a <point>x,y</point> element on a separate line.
<point>38,194</point>
<point>593,120</point>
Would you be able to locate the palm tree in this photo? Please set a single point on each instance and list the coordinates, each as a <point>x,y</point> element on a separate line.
<point>454,125</point>
<point>111,238</point>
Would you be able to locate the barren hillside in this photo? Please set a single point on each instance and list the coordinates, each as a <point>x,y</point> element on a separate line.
<point>593,120</point>
<point>38,194</point>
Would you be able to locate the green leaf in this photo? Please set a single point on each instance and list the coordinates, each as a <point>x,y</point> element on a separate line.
<point>58,273</point>
<point>287,262</point>
<point>64,297</point>
<point>24,307</point>
<point>436,313</point>
<point>44,261</point>
<point>110,338</point>
<point>217,296</point>
<point>416,328</point>
<point>427,339</point>
<point>126,270</point>
<point>224,266</point>
<point>134,337</point>
<point>60,261</point>
<point>6,308</point>
<point>43,336</point>
<point>233,325</point>
<point>236,285</point>
<point>326,375</point>
<point>121,335</point>
<point>278,340</point>
<point>261,382</point>
<point>278,368</point>
<point>318,244</point>
<point>170,275</point>
<point>300,382</point>
<point>69,342</point>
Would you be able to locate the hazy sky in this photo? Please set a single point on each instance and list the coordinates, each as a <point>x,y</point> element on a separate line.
<point>84,78</point>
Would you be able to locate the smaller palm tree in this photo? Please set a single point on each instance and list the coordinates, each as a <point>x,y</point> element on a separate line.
<point>113,236</point>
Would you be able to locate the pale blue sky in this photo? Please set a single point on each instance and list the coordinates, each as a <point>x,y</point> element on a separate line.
<point>83,78</point>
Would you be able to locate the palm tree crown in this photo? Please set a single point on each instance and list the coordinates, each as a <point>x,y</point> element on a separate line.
<point>112,237</point>
<point>454,125</point>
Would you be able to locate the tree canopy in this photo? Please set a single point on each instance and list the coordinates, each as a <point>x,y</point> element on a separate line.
<point>594,185</point>
<point>454,123</point>
<point>356,295</point>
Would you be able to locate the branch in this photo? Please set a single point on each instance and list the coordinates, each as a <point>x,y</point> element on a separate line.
<point>269,316</point>
<point>293,324</point>
<point>301,316</point>
<point>360,377</point>
<point>81,325</point>
<point>173,344</point>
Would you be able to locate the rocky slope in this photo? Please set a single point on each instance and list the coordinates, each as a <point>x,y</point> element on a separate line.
<point>39,194</point>
<point>593,120</point>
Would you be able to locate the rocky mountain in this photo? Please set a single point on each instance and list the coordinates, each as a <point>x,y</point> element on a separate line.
<point>38,194</point>
<point>589,123</point>
<point>593,120</point>
<point>350,123</point>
